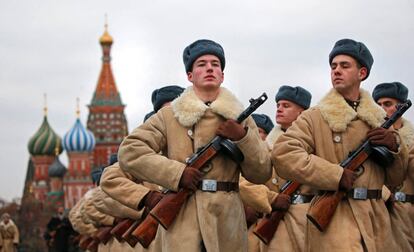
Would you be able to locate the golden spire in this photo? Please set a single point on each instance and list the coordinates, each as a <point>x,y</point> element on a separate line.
<point>106,38</point>
<point>45,103</point>
<point>77,107</point>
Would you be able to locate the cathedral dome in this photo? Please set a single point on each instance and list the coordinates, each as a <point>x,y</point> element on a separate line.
<point>57,169</point>
<point>106,38</point>
<point>45,141</point>
<point>78,139</point>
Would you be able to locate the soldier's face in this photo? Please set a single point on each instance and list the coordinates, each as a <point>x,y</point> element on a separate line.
<point>206,74</point>
<point>287,112</point>
<point>388,104</point>
<point>345,73</point>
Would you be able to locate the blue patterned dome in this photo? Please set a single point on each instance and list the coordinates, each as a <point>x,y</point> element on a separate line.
<point>78,139</point>
<point>57,169</point>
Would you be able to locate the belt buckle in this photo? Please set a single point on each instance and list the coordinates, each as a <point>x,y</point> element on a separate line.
<point>298,199</point>
<point>360,193</point>
<point>400,196</point>
<point>209,185</point>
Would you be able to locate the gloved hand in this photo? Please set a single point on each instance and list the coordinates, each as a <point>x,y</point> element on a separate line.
<point>384,137</point>
<point>232,130</point>
<point>190,178</point>
<point>281,203</point>
<point>152,198</point>
<point>347,180</point>
<point>251,215</point>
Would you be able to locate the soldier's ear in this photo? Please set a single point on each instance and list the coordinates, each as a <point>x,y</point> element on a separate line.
<point>363,72</point>
<point>190,76</point>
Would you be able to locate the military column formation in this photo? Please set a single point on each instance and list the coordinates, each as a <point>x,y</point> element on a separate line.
<point>156,196</point>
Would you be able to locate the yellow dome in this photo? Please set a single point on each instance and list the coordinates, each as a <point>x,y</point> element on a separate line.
<point>106,38</point>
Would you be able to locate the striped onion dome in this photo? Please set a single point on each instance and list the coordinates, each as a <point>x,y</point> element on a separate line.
<point>78,139</point>
<point>45,141</point>
<point>57,169</point>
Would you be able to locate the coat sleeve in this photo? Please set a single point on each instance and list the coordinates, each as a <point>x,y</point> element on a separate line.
<point>256,166</point>
<point>106,205</point>
<point>91,213</point>
<point>294,159</point>
<point>139,154</point>
<point>396,173</point>
<point>259,197</point>
<point>120,186</point>
<point>76,220</point>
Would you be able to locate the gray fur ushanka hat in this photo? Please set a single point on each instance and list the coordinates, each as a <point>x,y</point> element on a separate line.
<point>297,95</point>
<point>394,90</point>
<point>199,48</point>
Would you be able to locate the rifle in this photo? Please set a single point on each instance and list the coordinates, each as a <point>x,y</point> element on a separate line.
<point>145,233</point>
<point>84,241</point>
<point>321,211</point>
<point>121,228</point>
<point>128,237</point>
<point>170,205</point>
<point>104,234</point>
<point>267,227</point>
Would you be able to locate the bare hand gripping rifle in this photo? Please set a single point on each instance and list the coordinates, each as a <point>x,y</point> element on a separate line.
<point>170,205</point>
<point>267,227</point>
<point>323,208</point>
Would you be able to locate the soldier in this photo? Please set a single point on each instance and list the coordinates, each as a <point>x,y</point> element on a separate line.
<point>9,234</point>
<point>388,96</point>
<point>311,149</point>
<point>290,234</point>
<point>215,220</point>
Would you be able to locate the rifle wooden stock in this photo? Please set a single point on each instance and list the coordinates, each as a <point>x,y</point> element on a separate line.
<point>267,227</point>
<point>84,242</point>
<point>93,245</point>
<point>127,236</point>
<point>170,205</point>
<point>145,233</point>
<point>121,228</point>
<point>104,234</point>
<point>323,208</point>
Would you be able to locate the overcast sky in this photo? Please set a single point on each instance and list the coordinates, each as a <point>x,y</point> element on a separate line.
<point>52,47</point>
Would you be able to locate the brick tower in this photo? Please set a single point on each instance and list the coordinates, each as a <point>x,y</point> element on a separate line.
<point>106,117</point>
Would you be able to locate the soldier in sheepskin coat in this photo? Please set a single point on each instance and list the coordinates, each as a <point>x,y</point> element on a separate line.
<point>212,221</point>
<point>324,135</point>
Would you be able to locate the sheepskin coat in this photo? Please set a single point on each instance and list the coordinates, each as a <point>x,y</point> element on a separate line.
<point>123,188</point>
<point>310,152</point>
<point>215,219</point>
<point>402,215</point>
<point>75,217</point>
<point>290,234</point>
<point>9,236</point>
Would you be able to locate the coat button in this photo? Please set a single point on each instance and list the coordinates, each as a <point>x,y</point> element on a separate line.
<point>337,139</point>
<point>274,181</point>
<point>190,132</point>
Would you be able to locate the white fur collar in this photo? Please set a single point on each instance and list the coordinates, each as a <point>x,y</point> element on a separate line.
<point>338,114</point>
<point>9,224</point>
<point>407,132</point>
<point>188,108</point>
<point>273,136</point>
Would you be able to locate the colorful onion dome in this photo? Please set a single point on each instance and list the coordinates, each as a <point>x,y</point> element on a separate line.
<point>45,141</point>
<point>78,139</point>
<point>57,169</point>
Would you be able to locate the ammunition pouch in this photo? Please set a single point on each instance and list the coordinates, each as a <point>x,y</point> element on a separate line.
<point>231,150</point>
<point>382,155</point>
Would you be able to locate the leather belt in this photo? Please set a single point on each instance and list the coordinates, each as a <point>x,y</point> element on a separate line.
<point>211,185</point>
<point>364,193</point>
<point>403,197</point>
<point>301,199</point>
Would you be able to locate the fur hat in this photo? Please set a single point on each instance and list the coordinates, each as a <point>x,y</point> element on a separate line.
<point>199,48</point>
<point>394,90</point>
<point>264,122</point>
<point>165,94</point>
<point>297,95</point>
<point>356,50</point>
